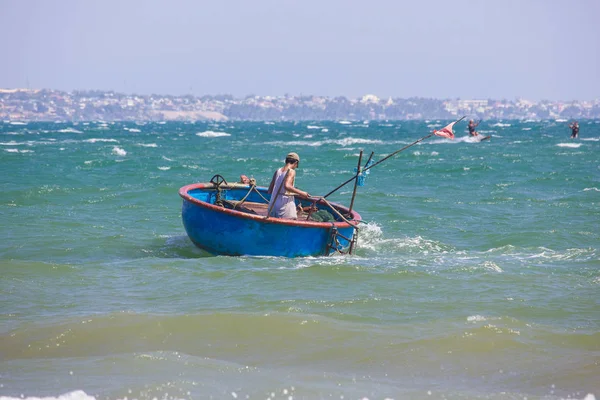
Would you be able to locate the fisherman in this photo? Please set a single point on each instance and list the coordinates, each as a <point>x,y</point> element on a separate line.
<point>574,129</point>
<point>282,190</point>
<point>472,126</point>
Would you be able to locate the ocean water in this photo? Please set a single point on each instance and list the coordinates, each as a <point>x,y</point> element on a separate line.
<point>477,272</point>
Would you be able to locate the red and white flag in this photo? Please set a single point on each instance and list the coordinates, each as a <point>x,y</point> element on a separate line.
<point>446,132</point>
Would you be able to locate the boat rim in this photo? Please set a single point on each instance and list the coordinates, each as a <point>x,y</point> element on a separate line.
<point>183,192</point>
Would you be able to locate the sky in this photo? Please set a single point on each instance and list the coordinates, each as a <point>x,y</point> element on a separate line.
<point>468,49</point>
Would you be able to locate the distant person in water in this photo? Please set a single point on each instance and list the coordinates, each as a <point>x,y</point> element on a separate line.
<point>282,190</point>
<point>574,129</point>
<point>472,126</point>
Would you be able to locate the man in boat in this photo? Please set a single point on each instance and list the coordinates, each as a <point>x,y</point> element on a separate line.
<point>472,126</point>
<point>574,129</point>
<point>282,190</point>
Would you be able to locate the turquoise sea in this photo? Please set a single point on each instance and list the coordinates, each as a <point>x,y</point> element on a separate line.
<point>477,273</point>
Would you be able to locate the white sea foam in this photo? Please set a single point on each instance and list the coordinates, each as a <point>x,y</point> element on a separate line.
<point>370,235</point>
<point>69,130</point>
<point>164,168</point>
<point>119,151</point>
<point>308,136</point>
<point>212,134</point>
<point>345,122</point>
<point>18,123</point>
<point>166,158</point>
<point>501,125</point>
<point>313,127</point>
<point>591,139</point>
<point>570,145</point>
<point>342,142</point>
<point>18,151</point>
<point>492,266</point>
<point>476,318</point>
<point>324,130</point>
<point>147,144</point>
<point>75,395</point>
<point>11,143</point>
<point>95,140</point>
<point>526,129</point>
<point>592,188</point>
<point>560,120</point>
<point>132,130</point>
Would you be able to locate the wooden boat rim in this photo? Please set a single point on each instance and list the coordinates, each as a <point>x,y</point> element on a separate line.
<point>183,192</point>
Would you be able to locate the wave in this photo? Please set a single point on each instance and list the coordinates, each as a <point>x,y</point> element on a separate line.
<point>212,134</point>
<point>342,142</point>
<point>18,151</point>
<point>74,395</point>
<point>69,130</point>
<point>97,140</point>
<point>119,151</point>
<point>569,145</point>
<point>592,188</point>
<point>147,144</point>
<point>501,125</point>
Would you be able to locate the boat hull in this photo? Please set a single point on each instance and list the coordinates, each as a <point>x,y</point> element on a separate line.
<point>223,231</point>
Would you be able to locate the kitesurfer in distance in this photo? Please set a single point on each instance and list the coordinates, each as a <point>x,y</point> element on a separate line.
<point>282,189</point>
<point>472,126</point>
<point>574,129</point>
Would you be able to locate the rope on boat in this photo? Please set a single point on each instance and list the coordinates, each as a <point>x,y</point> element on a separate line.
<point>252,188</point>
<point>339,214</point>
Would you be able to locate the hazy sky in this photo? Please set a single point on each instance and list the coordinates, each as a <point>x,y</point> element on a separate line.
<point>535,49</point>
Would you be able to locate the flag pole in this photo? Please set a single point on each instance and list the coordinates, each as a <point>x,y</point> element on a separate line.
<point>385,158</point>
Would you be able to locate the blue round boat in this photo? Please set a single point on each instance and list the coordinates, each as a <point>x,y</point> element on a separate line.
<point>231,219</point>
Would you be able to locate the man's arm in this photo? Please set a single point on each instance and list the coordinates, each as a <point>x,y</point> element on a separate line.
<point>289,184</point>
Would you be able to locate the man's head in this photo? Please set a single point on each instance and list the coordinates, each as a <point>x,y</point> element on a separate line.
<point>292,158</point>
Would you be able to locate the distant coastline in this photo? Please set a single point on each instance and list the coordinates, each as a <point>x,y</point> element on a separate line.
<point>55,105</point>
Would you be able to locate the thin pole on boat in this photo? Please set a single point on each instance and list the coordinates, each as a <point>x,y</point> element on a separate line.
<point>350,180</point>
<point>356,180</point>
